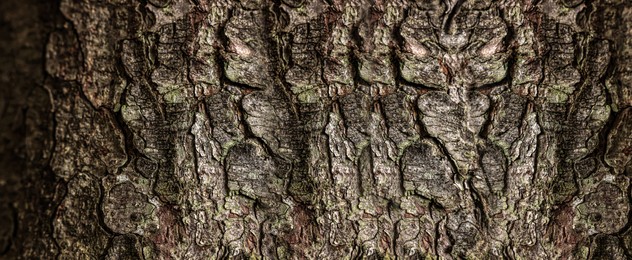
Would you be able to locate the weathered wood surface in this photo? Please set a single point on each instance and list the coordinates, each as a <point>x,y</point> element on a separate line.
<point>315,129</point>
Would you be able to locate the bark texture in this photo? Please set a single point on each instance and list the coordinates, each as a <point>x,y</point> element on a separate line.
<point>315,129</point>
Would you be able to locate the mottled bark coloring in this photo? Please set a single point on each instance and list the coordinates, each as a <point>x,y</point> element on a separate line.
<point>315,129</point>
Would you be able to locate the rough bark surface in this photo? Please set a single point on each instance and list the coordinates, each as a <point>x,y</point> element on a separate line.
<point>315,129</point>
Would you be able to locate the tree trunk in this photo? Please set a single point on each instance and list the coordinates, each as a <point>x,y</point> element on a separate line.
<point>315,129</point>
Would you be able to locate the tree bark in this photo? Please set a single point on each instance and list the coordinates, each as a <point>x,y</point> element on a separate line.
<point>315,129</point>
